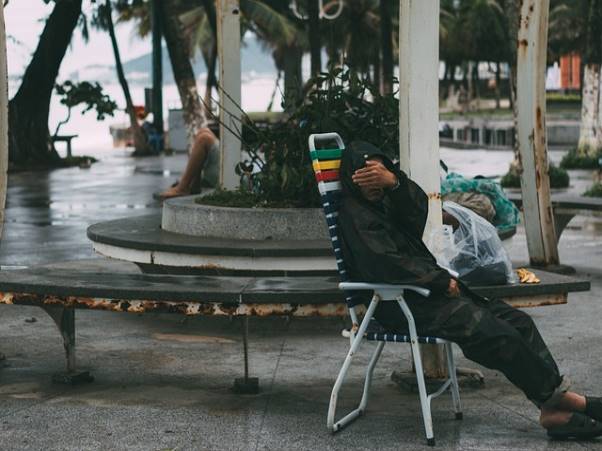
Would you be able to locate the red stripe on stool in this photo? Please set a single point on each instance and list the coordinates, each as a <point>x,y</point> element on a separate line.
<point>327,176</point>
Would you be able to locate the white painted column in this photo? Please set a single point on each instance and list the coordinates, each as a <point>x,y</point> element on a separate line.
<point>531,102</point>
<point>419,119</point>
<point>228,32</point>
<point>419,99</point>
<point>3,118</point>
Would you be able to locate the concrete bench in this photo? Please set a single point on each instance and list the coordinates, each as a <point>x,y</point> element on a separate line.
<point>60,289</point>
<point>67,140</point>
<point>565,208</point>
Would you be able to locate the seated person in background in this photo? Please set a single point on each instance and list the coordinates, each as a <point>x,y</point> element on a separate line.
<point>382,219</point>
<point>202,167</point>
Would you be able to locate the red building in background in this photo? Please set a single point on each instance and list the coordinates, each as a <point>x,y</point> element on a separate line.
<point>570,71</point>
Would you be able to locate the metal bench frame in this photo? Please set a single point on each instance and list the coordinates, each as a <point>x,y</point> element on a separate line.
<point>329,185</point>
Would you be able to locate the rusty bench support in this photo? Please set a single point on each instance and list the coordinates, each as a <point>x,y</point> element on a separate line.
<point>246,385</point>
<point>64,318</point>
<point>62,312</point>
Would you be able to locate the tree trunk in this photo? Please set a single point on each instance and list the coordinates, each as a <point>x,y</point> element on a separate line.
<point>157,37</point>
<point>29,137</point>
<point>313,9</point>
<point>477,89</point>
<point>293,81</point>
<point>590,134</point>
<point>377,76</point>
<point>3,121</point>
<point>386,32</point>
<point>182,69</point>
<point>498,81</point>
<point>211,82</point>
<point>515,164</point>
<point>469,84</point>
<point>141,146</point>
<point>512,13</point>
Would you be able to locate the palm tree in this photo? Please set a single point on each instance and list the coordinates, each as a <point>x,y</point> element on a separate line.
<point>386,36</point>
<point>178,48</point>
<point>269,20</point>
<point>452,48</point>
<point>576,26</point>
<point>179,55</point>
<point>356,33</point>
<point>104,20</point>
<point>313,34</point>
<point>29,137</point>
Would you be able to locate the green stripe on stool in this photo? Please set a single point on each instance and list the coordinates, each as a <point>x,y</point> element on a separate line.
<point>325,154</point>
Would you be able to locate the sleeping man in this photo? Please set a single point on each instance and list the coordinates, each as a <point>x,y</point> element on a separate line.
<point>382,218</point>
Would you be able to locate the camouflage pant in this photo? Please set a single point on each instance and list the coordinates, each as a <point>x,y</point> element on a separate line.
<point>490,333</point>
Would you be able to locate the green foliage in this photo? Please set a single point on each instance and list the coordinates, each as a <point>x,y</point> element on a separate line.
<point>576,159</point>
<point>88,94</point>
<point>558,97</point>
<point>511,179</point>
<point>559,178</point>
<point>241,199</point>
<point>594,191</point>
<point>337,101</point>
<point>474,30</point>
<point>576,26</point>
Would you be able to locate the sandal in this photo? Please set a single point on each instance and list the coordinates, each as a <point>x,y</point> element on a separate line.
<point>579,427</point>
<point>593,408</point>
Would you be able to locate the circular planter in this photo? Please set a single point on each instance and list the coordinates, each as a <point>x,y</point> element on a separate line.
<point>184,216</point>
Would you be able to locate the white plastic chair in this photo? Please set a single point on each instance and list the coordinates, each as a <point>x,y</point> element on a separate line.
<point>326,162</point>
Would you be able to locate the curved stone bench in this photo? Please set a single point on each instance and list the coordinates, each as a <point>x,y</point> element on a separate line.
<point>142,240</point>
<point>192,238</point>
<point>60,289</point>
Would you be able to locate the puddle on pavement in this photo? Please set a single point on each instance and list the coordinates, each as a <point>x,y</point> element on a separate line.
<point>21,390</point>
<point>69,206</point>
<point>151,171</point>
<point>183,338</point>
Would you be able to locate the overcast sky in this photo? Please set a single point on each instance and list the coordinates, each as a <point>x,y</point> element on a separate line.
<point>24,23</point>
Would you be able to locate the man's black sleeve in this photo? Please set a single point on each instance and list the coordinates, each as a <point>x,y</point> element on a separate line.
<point>410,204</point>
<point>377,259</point>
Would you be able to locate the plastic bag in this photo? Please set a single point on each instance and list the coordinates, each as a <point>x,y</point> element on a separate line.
<point>507,215</point>
<point>481,257</point>
<point>441,244</point>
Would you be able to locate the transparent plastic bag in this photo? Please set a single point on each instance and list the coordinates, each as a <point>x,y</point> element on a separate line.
<point>481,257</point>
<point>441,244</point>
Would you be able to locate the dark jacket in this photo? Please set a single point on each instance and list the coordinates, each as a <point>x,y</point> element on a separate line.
<point>382,242</point>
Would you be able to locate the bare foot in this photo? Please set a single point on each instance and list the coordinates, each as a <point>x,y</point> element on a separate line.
<point>572,402</point>
<point>174,191</point>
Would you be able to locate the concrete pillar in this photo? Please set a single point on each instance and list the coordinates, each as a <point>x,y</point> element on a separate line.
<point>228,34</point>
<point>419,120</point>
<point>3,118</point>
<point>531,102</point>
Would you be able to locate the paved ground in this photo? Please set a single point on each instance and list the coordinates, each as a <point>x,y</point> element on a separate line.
<point>163,382</point>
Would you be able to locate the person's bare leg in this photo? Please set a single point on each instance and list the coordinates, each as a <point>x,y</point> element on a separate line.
<point>559,415</point>
<point>198,155</point>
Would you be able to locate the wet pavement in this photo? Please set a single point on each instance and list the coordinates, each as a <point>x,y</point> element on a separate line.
<point>48,212</point>
<point>163,381</point>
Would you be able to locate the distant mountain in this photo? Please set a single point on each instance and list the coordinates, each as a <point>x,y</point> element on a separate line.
<point>255,59</point>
